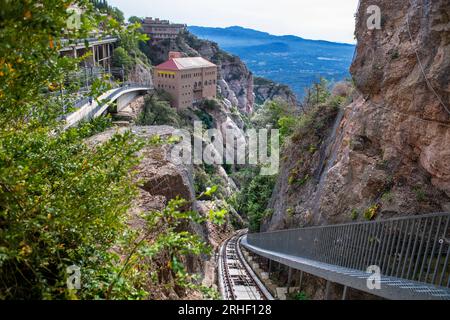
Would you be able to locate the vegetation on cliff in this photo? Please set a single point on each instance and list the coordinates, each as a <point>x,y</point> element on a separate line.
<point>129,60</point>
<point>157,111</point>
<point>63,202</point>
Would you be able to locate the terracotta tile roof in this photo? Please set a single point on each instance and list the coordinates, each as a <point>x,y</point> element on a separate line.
<point>185,64</point>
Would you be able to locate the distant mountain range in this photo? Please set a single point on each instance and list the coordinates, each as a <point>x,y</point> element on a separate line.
<point>290,60</point>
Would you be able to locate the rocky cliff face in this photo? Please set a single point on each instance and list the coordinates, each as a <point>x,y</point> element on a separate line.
<point>161,180</point>
<point>268,90</point>
<point>388,150</point>
<point>235,80</point>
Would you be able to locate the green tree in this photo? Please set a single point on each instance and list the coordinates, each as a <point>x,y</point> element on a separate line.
<point>129,54</point>
<point>104,7</point>
<point>62,202</point>
<point>271,113</point>
<point>122,59</point>
<point>134,19</point>
<point>253,199</point>
<point>277,114</point>
<point>318,93</point>
<point>158,112</point>
<point>286,125</point>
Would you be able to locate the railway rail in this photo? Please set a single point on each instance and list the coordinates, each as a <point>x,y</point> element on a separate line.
<point>237,281</point>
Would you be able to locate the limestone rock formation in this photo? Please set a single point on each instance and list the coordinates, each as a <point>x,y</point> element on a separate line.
<point>390,148</point>
<point>268,90</point>
<point>130,113</point>
<point>161,180</point>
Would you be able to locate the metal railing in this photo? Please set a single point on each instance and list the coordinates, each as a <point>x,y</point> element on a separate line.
<point>84,98</point>
<point>415,248</point>
<point>67,44</point>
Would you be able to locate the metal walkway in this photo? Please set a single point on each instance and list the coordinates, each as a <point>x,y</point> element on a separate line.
<point>411,253</point>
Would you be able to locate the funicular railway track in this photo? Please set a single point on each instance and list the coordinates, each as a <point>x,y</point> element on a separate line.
<point>236,279</point>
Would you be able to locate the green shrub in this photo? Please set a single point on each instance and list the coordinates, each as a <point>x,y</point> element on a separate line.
<point>64,202</point>
<point>354,215</point>
<point>420,194</point>
<point>158,112</point>
<point>205,118</point>
<point>312,149</point>
<point>290,212</point>
<point>286,125</point>
<point>371,212</point>
<point>301,296</point>
<point>210,104</point>
<point>94,126</point>
<point>387,197</point>
<point>318,93</point>
<point>206,176</point>
<point>255,198</point>
<point>121,59</point>
<point>276,113</point>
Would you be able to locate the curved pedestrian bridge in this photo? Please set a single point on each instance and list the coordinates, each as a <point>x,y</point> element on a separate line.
<point>87,110</point>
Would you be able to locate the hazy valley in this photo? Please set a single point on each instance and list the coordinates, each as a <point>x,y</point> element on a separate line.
<point>290,60</point>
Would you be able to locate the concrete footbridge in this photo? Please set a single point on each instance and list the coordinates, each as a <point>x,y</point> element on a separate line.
<point>87,109</point>
<point>403,258</point>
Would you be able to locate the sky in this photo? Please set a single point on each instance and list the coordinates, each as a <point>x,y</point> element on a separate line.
<point>331,20</point>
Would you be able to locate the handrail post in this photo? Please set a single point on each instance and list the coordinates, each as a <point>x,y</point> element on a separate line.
<point>327,290</point>
<point>300,281</point>
<point>344,293</point>
<point>289,279</point>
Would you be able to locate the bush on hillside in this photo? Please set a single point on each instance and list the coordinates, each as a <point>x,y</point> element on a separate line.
<point>158,112</point>
<point>121,59</point>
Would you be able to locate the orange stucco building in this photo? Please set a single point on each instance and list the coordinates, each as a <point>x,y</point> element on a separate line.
<point>187,80</point>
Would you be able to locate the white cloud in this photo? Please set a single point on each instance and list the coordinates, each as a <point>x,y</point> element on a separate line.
<point>313,19</point>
